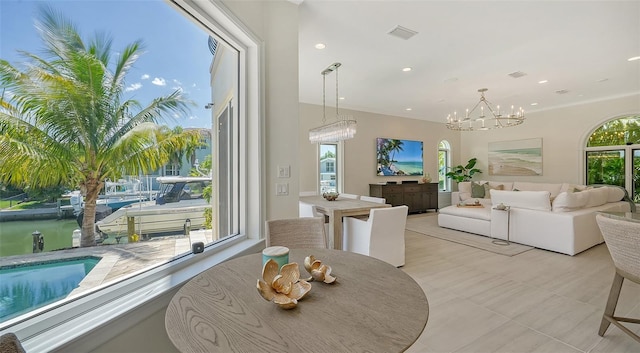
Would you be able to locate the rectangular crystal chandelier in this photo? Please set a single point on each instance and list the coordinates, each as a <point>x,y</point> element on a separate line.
<point>343,129</point>
<point>337,131</point>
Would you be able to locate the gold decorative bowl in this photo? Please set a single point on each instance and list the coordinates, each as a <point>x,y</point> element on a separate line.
<point>330,196</point>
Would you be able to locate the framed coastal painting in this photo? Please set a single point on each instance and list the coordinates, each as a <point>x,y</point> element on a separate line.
<point>519,157</point>
<point>398,157</point>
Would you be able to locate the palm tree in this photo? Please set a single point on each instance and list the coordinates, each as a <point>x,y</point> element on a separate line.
<point>63,120</point>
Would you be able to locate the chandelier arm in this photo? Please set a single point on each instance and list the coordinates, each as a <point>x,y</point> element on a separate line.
<point>473,109</point>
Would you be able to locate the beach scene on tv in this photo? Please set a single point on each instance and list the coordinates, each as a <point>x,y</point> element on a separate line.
<point>399,157</point>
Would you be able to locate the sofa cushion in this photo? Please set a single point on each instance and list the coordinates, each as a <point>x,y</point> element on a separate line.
<point>533,200</point>
<point>464,196</point>
<point>597,196</point>
<point>483,213</point>
<point>615,194</point>
<point>477,190</point>
<point>570,201</point>
<point>488,186</point>
<point>554,189</point>
<point>568,187</point>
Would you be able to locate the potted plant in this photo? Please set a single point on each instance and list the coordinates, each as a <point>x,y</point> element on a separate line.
<point>462,173</point>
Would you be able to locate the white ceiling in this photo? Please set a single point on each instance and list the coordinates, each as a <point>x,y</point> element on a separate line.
<point>462,46</point>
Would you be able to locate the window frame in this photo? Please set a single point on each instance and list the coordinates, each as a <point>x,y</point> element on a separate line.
<point>447,151</point>
<point>78,323</point>
<point>626,148</point>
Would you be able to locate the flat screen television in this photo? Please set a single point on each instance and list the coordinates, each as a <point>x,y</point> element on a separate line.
<point>399,157</point>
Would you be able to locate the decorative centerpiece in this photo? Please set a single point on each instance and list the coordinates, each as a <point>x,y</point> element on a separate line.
<point>330,196</point>
<point>426,178</point>
<point>284,288</point>
<point>318,270</point>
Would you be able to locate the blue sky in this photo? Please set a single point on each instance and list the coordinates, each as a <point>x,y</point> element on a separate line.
<point>175,49</point>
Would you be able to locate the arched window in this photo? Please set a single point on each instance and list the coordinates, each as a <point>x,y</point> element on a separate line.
<point>444,164</point>
<point>613,155</point>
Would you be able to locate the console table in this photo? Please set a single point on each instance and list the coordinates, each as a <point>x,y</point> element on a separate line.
<point>418,197</point>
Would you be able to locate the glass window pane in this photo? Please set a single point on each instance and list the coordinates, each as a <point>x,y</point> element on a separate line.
<point>618,132</point>
<point>606,167</point>
<point>328,168</point>
<point>636,176</point>
<point>442,169</point>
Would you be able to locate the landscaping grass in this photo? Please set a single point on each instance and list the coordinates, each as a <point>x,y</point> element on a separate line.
<point>26,205</point>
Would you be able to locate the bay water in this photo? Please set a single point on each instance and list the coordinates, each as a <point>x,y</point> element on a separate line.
<point>16,238</point>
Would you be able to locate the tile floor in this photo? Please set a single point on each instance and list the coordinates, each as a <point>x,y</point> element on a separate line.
<point>537,301</point>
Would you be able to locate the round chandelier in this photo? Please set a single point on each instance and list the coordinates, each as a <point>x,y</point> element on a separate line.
<point>494,119</point>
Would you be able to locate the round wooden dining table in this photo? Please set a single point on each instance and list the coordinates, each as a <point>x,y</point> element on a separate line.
<point>372,307</point>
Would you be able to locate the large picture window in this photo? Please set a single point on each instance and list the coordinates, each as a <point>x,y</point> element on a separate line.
<point>236,197</point>
<point>612,155</point>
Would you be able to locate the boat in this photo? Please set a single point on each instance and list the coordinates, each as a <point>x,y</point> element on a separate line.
<point>117,194</point>
<point>179,203</point>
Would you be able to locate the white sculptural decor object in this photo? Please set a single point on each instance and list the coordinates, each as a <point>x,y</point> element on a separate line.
<point>318,270</point>
<point>284,288</point>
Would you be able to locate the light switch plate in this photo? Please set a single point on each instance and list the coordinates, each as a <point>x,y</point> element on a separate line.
<point>284,171</point>
<point>282,189</point>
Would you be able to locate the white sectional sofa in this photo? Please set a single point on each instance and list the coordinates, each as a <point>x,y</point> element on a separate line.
<point>558,217</point>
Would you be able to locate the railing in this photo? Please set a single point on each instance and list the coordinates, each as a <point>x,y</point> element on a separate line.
<point>11,199</point>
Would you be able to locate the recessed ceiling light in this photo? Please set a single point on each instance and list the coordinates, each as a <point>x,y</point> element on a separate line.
<point>320,46</point>
<point>406,69</point>
<point>408,109</point>
<point>341,98</point>
<point>543,81</point>
<point>534,103</point>
<point>634,58</point>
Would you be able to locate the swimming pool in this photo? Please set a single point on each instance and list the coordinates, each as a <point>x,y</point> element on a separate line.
<point>29,286</point>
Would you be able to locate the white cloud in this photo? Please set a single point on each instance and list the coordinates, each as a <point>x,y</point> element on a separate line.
<point>133,87</point>
<point>159,81</point>
<point>144,77</point>
<point>177,82</point>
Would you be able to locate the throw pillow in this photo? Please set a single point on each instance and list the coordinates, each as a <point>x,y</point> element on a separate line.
<point>570,201</point>
<point>488,186</point>
<point>477,190</point>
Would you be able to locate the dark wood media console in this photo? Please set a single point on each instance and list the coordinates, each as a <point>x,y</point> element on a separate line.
<point>418,197</point>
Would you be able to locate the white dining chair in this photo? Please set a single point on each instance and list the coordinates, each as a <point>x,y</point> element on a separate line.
<point>350,196</point>
<point>373,199</point>
<point>381,236</point>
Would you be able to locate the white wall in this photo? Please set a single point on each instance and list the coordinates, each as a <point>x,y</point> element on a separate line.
<point>563,132</point>
<point>360,152</point>
<point>276,23</point>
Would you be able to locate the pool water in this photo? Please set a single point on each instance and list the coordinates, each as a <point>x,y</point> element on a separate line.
<point>26,287</point>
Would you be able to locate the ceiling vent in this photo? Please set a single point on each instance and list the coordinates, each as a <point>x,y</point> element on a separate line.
<point>562,91</point>
<point>402,32</point>
<point>517,74</point>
